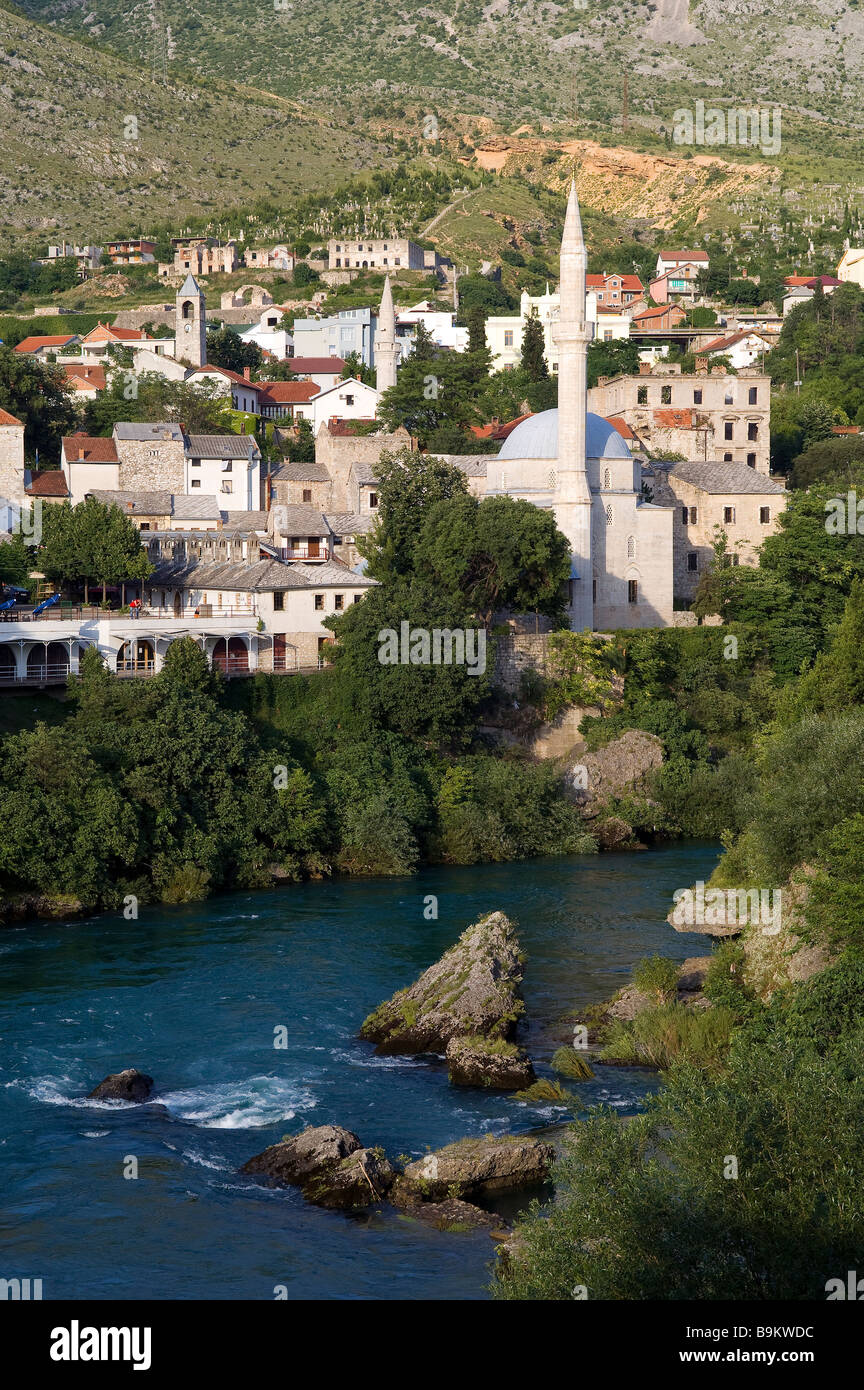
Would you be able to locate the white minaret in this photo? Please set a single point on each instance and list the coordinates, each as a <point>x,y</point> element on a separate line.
<point>572,335</point>
<point>386,347</point>
<point>190,324</point>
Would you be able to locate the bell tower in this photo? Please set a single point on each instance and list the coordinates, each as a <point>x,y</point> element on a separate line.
<point>190,324</point>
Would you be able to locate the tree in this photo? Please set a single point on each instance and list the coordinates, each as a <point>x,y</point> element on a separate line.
<point>409,485</point>
<point>495,554</point>
<point>305,275</point>
<point>202,408</point>
<point>225,348</point>
<point>615,358</point>
<point>533,361</point>
<point>834,460</point>
<point>355,367</point>
<point>92,541</point>
<point>16,561</point>
<point>490,294</point>
<point>476,323</point>
<point>38,395</point>
<point>186,665</point>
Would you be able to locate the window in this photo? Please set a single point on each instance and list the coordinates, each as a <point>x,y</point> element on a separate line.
<point>751,460</point>
<point>319,603</point>
<point>631,547</point>
<point>278,601</point>
<point>607,478</point>
<point>693,515</point>
<point>338,601</point>
<point>227,485</point>
<point>728,515</point>
<point>608,516</point>
<point>632,591</point>
<point>697,396</point>
<point>196,482</point>
<point>373,499</point>
<point>665,395</point>
<point>594,590</point>
<point>508,337</point>
<point>729,398</point>
<point>307,494</point>
<point>752,430</point>
<point>642,395</point>
<point>196,463</point>
<point>752,395</point>
<point>684,516</point>
<point>692,561</point>
<point>227,466</point>
<point>727,458</point>
<point>357,598</point>
<point>728,427</point>
<point>764,515</point>
<point>349,400</point>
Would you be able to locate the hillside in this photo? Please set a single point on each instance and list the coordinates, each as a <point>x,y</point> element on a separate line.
<point>540,58</point>
<point>67,163</point>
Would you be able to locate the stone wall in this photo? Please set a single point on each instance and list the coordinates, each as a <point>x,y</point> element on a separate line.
<point>12,462</point>
<point>152,466</point>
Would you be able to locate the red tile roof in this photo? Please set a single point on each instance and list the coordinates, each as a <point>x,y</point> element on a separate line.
<point>85,377</point>
<point>721,344</point>
<point>658,312</point>
<point>48,482</point>
<point>104,332</point>
<point>7,419</point>
<point>51,341</point>
<point>673,419</point>
<point>621,426</point>
<point>683,255</point>
<point>232,376</point>
<point>628,282</point>
<point>288,392</point>
<point>299,365</point>
<point>96,449</point>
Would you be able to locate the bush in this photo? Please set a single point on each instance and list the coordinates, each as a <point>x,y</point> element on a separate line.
<point>672,1033</point>
<point>656,976</point>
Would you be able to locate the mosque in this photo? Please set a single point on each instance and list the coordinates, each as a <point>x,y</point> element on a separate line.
<point>577,465</point>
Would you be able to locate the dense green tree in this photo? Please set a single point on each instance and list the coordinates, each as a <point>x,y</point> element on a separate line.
<point>409,485</point>
<point>835,460</point>
<point>225,348</point>
<point>91,541</point>
<point>495,554</point>
<point>38,394</point>
<point>619,356</point>
<point>533,359</point>
<point>203,409</point>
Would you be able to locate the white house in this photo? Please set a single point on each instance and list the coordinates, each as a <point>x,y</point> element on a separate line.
<point>268,334</point>
<point>504,332</point>
<point>851,267</point>
<point>348,400</point>
<point>746,348</point>
<point>226,466</point>
<point>439,323</point>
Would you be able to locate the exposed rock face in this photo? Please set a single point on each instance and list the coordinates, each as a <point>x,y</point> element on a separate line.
<point>473,1167</point>
<point>362,1178</point>
<point>472,990</point>
<point>500,1066</point>
<point>691,976</point>
<point>622,766</point>
<point>129,1085</point>
<point>309,1155</point>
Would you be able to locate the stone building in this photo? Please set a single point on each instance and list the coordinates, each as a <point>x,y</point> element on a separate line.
<point>152,457</point>
<point>711,497</point>
<point>375,253</point>
<point>704,415</point>
<point>190,329</point>
<point>11,457</point>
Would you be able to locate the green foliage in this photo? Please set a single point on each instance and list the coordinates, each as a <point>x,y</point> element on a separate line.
<point>38,395</point>
<point>580,674</point>
<point>533,361</point>
<point>617,357</point>
<point>670,1033</point>
<point>572,1064</point>
<point>225,348</point>
<point>656,976</point>
<point>409,485</point>
<point>838,461</point>
<point>545,1092</point>
<point>646,1210</point>
<point>201,409</point>
<point>835,902</point>
<point>91,541</point>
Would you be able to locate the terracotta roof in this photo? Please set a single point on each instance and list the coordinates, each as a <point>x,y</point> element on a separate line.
<point>345,428</point>
<point>104,332</point>
<point>720,344</point>
<point>683,255</point>
<point>845,429</point>
<point>48,482</point>
<point>621,426</point>
<point>232,376</point>
<point>84,377</point>
<point>96,449</point>
<point>7,419</point>
<point>54,340</point>
<point>299,365</point>
<point>673,419</point>
<point>797,280</point>
<point>628,282</point>
<point>288,392</point>
<point>658,312</point>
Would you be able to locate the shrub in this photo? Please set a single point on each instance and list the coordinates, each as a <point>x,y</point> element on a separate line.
<point>656,976</point>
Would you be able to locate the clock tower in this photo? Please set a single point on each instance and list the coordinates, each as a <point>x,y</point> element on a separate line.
<point>190,324</point>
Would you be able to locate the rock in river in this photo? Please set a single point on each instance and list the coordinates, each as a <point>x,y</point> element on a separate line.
<point>129,1085</point>
<point>475,1167</point>
<point>330,1165</point>
<point>500,1065</point>
<point>472,990</point>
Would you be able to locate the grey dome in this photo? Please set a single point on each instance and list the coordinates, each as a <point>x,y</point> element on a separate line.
<point>537,438</point>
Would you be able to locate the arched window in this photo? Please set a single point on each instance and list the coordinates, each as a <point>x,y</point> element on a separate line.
<point>607,479</point>
<point>631,547</point>
<point>188,309</point>
<point>609,516</point>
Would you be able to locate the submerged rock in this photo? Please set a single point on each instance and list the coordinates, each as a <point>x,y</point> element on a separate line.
<point>474,1167</point>
<point>308,1155</point>
<point>472,990</point>
<point>502,1066</point>
<point>129,1085</point>
<point>451,1215</point>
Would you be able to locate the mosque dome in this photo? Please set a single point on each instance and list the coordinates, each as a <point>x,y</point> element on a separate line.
<point>537,438</point>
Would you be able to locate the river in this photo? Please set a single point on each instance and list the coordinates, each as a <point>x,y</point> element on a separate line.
<point>193,995</point>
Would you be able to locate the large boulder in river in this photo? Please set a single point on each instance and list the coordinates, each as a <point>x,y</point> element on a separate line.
<point>621,767</point>
<point>306,1156</point>
<point>474,1168</point>
<point>491,1062</point>
<point>362,1178</point>
<point>472,990</point>
<point>129,1085</point>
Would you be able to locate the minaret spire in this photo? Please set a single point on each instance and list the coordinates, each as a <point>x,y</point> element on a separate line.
<point>386,347</point>
<point>572,336</point>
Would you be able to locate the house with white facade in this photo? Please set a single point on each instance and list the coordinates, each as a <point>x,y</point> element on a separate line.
<point>504,332</point>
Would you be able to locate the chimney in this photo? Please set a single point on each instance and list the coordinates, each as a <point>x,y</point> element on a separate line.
<point>603,380</point>
<point>644,368</point>
<point>701,364</point>
<point>247,373</point>
<point>80,451</point>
